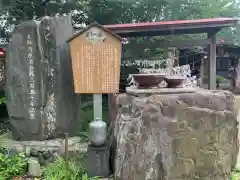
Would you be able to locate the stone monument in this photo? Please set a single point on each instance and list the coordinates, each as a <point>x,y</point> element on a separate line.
<point>39,85</point>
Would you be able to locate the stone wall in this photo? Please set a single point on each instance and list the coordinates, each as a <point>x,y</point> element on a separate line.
<point>187,136</point>
<point>39,83</point>
<point>45,151</point>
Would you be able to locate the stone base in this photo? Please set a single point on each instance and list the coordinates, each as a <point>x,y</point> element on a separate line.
<point>97,161</point>
<point>136,91</point>
<point>189,136</point>
<point>237,109</point>
<point>45,150</point>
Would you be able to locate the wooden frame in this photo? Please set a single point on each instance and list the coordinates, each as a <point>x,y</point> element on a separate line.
<point>172,27</point>
<point>175,43</point>
<point>139,50</point>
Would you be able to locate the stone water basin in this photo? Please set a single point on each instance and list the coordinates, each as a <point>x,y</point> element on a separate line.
<point>174,81</point>
<point>148,80</point>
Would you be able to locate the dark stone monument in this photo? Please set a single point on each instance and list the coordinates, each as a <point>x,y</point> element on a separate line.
<point>39,81</point>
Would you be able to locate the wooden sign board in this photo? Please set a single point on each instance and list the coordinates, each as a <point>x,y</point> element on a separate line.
<point>96,55</point>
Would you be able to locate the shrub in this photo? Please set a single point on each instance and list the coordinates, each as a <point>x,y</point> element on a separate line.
<point>65,170</point>
<point>12,165</point>
<point>220,79</point>
<point>235,175</point>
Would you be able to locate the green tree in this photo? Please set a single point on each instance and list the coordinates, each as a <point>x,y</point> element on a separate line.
<point>16,11</point>
<point>124,11</point>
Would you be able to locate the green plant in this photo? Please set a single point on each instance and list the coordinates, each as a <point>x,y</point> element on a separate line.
<point>85,177</point>
<point>12,165</point>
<point>235,175</point>
<point>220,79</point>
<point>65,170</point>
<point>3,100</point>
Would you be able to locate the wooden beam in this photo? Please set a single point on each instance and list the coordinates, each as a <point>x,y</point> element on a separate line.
<point>166,44</point>
<point>164,33</point>
<point>172,29</point>
<point>212,33</point>
<point>148,50</point>
<point>212,63</point>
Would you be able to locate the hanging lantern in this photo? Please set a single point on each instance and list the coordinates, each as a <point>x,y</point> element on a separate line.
<point>2,52</point>
<point>2,66</point>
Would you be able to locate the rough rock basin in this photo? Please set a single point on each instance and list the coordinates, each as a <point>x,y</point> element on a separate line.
<point>181,136</point>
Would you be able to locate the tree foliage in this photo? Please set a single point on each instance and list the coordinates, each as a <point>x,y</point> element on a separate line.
<point>122,11</point>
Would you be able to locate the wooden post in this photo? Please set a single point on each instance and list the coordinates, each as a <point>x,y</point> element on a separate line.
<point>212,62</point>
<point>177,54</point>
<point>66,146</point>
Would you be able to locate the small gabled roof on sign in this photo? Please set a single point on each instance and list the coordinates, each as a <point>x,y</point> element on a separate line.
<point>95,24</point>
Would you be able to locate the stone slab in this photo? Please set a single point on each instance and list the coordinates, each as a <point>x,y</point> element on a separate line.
<point>74,144</point>
<point>97,161</point>
<point>39,82</point>
<point>136,91</point>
